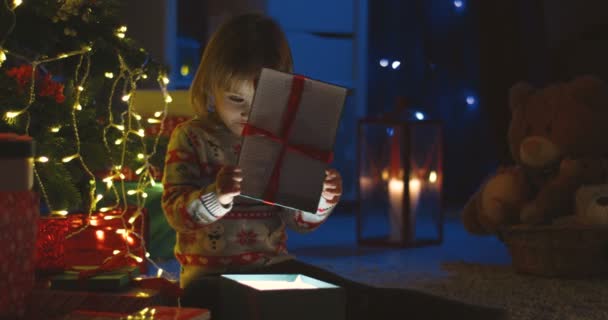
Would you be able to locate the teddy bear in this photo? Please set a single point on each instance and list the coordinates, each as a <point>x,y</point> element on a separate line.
<point>558,138</point>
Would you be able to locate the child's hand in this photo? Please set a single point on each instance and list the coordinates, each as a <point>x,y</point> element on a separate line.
<point>332,186</point>
<point>228,184</point>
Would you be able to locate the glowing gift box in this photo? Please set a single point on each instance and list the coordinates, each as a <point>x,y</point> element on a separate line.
<point>288,140</point>
<point>280,296</point>
<point>400,183</point>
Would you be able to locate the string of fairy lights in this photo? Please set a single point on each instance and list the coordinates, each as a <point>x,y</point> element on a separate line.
<point>129,124</point>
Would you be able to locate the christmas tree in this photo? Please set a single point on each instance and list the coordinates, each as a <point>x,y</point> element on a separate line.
<point>68,78</point>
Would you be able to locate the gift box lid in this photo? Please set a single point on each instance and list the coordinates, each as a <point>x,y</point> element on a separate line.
<point>16,146</point>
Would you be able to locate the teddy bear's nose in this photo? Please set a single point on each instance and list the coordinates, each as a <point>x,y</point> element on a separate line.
<point>602,201</point>
<point>532,147</point>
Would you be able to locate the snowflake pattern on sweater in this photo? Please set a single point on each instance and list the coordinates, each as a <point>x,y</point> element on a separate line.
<point>212,238</point>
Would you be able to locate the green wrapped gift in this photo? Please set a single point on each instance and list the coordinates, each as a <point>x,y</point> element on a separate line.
<point>115,280</point>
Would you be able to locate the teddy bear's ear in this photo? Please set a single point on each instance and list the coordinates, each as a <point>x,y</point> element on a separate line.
<point>590,90</point>
<point>518,94</point>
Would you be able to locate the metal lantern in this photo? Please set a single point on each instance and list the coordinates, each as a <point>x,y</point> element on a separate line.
<point>400,183</point>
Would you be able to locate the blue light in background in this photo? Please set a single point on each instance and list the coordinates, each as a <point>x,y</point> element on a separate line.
<point>419,115</point>
<point>395,65</point>
<point>459,4</point>
<point>384,63</point>
<point>390,131</point>
<point>471,100</point>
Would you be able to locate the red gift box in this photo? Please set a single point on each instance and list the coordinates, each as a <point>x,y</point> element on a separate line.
<point>106,233</point>
<point>50,244</point>
<point>19,212</point>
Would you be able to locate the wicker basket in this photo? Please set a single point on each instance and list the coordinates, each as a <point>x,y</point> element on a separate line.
<point>558,251</point>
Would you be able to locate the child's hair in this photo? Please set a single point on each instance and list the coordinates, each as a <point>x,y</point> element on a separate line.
<point>237,51</point>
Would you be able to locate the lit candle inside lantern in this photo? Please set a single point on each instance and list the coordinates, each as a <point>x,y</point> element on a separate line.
<point>395,195</point>
<point>395,189</point>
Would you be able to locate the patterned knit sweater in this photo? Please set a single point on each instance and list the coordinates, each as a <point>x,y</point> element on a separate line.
<point>212,238</point>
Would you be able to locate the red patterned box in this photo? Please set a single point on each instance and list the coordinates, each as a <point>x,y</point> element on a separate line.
<point>106,234</point>
<point>19,212</point>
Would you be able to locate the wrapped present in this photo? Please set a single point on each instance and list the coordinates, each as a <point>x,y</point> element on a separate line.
<point>19,212</point>
<point>148,313</point>
<point>288,140</point>
<point>108,233</point>
<point>54,303</point>
<point>78,279</point>
<point>279,296</point>
<point>50,244</point>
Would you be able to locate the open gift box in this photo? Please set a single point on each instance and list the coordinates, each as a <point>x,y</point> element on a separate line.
<point>280,296</point>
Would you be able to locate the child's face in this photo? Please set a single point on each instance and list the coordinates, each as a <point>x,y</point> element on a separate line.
<point>233,105</point>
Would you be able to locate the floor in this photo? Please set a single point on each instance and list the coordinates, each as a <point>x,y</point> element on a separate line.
<point>464,267</point>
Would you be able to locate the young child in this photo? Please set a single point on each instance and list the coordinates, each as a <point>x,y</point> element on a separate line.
<point>219,232</point>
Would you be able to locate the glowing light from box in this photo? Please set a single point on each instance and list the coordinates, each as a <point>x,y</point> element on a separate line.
<point>263,285</point>
<point>433,177</point>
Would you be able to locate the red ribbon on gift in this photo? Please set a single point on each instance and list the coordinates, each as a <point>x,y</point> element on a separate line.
<point>293,104</point>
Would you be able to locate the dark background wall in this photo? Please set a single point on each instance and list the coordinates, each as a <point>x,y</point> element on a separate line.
<point>458,60</point>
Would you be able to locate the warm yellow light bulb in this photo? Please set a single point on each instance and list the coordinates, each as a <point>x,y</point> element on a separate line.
<point>433,177</point>
<point>13,114</point>
<point>137,116</point>
<point>55,129</point>
<point>60,212</point>
<point>144,195</point>
<point>141,132</point>
<point>2,57</point>
<point>99,197</point>
<point>80,88</point>
<point>152,120</point>
<point>168,99</point>
<point>16,3</point>
<point>145,76</point>
<point>131,192</point>
<point>122,29</point>
<point>126,97</point>
<point>115,252</point>
<point>120,127</point>
<point>109,75</point>
<point>42,159</point>
<point>184,70</point>
<point>63,55</point>
<point>77,106</point>
<point>122,176</point>
<point>385,175</point>
<point>165,80</point>
<point>69,158</point>
<point>140,156</point>
<point>104,209</point>
<point>118,141</point>
<point>158,114</point>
